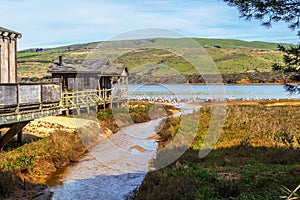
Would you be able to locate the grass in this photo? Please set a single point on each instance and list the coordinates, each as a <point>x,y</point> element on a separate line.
<point>235,56</point>
<point>228,61</point>
<point>138,112</point>
<point>210,42</point>
<point>231,61</point>
<point>256,157</point>
<point>36,64</point>
<point>231,43</point>
<point>36,161</point>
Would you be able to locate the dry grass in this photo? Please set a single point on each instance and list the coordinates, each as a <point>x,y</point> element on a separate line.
<point>34,162</point>
<point>256,155</point>
<point>168,131</point>
<point>37,160</point>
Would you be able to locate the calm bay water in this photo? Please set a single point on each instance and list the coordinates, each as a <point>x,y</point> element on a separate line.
<point>204,92</point>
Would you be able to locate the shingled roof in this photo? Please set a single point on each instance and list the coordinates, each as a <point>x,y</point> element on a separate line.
<point>97,66</point>
<point>8,33</point>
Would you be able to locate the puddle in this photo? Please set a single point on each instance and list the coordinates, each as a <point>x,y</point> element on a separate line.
<point>138,148</point>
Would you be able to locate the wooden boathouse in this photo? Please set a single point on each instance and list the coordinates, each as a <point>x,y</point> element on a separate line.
<point>76,84</point>
<point>21,103</point>
<point>8,55</point>
<point>89,83</point>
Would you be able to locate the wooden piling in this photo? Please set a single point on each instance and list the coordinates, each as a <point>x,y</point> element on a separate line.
<point>15,129</point>
<point>19,138</point>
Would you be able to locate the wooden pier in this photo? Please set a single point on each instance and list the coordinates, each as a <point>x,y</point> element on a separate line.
<point>76,84</point>
<point>22,103</point>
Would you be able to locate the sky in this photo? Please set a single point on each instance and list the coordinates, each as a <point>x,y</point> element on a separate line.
<point>62,22</point>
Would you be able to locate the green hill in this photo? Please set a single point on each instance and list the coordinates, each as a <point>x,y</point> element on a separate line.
<point>230,56</point>
<point>230,43</point>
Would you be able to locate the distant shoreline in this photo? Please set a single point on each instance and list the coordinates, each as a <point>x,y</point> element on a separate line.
<point>232,84</point>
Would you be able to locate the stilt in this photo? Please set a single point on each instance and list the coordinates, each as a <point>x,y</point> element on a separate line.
<point>97,108</point>
<point>14,130</point>
<point>20,137</point>
<point>88,109</point>
<point>68,112</point>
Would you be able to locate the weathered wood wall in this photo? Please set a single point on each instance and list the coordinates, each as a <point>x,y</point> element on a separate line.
<point>8,94</point>
<point>13,61</point>
<point>51,93</point>
<point>29,94</point>
<point>8,64</point>
<point>77,81</point>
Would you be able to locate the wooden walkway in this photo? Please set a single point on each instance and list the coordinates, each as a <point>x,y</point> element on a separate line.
<point>22,103</point>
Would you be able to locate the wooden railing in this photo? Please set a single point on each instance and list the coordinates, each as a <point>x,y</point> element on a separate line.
<point>17,98</point>
<point>92,97</point>
<point>22,97</point>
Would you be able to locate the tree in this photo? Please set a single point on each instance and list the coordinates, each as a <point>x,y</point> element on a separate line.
<point>291,66</point>
<point>268,12</point>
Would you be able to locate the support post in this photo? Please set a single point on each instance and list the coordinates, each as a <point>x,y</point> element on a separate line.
<point>97,108</point>
<point>18,99</point>
<point>41,97</point>
<point>15,129</point>
<point>19,139</point>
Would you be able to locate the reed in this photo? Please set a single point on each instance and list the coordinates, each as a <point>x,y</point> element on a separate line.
<point>257,154</point>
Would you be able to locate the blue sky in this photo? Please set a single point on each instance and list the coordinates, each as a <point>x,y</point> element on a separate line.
<point>60,22</point>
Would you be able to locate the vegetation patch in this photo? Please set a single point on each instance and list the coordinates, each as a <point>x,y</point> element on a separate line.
<point>137,112</point>
<point>233,56</point>
<point>256,157</point>
<point>36,161</point>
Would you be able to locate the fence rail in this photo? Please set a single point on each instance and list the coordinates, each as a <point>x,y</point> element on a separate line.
<point>92,97</point>
<point>18,98</point>
<point>22,97</point>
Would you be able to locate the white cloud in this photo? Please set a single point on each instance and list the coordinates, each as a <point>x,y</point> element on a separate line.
<point>47,23</point>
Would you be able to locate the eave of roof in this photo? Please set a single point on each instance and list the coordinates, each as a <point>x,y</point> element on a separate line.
<point>8,33</point>
<point>87,66</point>
<point>84,72</point>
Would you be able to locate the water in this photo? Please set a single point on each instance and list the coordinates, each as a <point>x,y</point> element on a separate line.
<point>204,92</point>
<point>113,168</point>
<point>118,164</point>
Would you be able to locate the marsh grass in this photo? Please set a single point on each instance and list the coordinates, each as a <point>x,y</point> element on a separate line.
<point>138,112</point>
<point>37,160</point>
<point>53,152</point>
<point>254,158</point>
